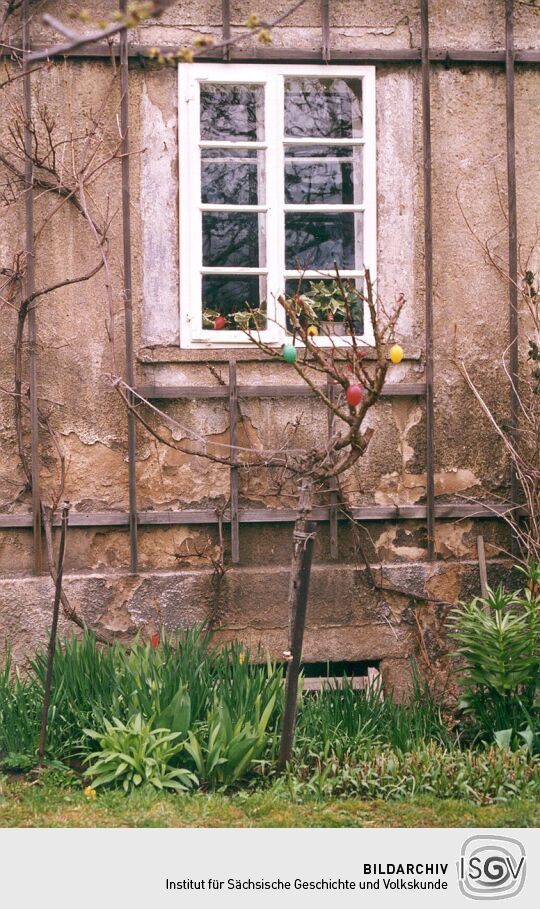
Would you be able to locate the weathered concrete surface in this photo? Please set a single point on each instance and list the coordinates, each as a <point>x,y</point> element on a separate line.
<point>76,359</point>
<point>348,619</point>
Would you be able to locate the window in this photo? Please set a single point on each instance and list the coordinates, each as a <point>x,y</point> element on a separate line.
<point>277,182</point>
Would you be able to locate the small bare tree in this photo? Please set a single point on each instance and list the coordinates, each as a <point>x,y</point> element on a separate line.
<point>357,372</point>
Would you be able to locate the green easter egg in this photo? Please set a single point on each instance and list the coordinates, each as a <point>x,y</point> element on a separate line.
<point>289,353</point>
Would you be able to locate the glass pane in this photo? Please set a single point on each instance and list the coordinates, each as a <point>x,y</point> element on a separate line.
<point>233,239</point>
<point>327,302</point>
<point>224,295</point>
<point>232,113</point>
<point>317,240</point>
<point>323,174</point>
<point>325,108</point>
<point>231,177</point>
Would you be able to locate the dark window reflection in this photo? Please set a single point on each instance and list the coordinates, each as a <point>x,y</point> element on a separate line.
<point>318,240</point>
<point>325,108</point>
<point>323,175</point>
<point>231,113</point>
<point>224,295</point>
<point>231,239</point>
<point>229,177</point>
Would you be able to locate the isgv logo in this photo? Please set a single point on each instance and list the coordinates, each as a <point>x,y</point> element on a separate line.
<point>491,867</point>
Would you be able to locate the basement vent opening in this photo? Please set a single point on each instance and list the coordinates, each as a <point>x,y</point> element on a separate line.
<point>361,675</point>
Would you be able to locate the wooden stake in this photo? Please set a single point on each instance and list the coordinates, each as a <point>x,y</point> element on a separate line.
<point>303,541</point>
<point>54,628</point>
<point>482,567</point>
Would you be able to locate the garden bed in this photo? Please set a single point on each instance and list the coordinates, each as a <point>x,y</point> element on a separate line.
<point>178,718</point>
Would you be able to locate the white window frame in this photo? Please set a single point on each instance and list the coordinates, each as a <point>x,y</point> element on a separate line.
<point>272,76</point>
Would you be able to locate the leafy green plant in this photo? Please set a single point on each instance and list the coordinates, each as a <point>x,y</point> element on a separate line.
<point>91,683</point>
<point>173,684</point>
<point>498,641</point>
<point>17,762</point>
<point>329,300</point>
<point>343,718</point>
<point>133,754</point>
<point>225,749</point>
<point>482,776</point>
<point>177,715</point>
<point>20,704</point>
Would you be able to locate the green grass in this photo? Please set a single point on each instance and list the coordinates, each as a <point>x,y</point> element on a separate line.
<point>41,803</point>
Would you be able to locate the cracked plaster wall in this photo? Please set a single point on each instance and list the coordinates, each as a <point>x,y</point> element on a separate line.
<point>470,312</point>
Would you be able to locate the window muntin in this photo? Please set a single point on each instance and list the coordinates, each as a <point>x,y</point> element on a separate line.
<point>277,182</point>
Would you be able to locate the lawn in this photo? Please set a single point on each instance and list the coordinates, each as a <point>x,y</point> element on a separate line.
<point>41,803</point>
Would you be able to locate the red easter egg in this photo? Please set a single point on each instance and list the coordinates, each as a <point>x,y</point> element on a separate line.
<point>220,322</point>
<point>355,393</point>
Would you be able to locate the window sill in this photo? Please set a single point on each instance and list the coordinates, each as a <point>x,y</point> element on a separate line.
<point>158,355</point>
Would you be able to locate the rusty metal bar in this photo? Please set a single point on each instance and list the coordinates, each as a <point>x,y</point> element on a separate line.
<point>226,28</point>
<point>513,326</point>
<point>233,439</point>
<point>358,55</point>
<point>128,292</point>
<point>428,279</point>
<point>325,28</point>
<point>29,287</point>
<point>332,483</point>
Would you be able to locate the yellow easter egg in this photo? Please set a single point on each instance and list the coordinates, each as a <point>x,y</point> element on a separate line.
<point>396,353</point>
<point>312,331</point>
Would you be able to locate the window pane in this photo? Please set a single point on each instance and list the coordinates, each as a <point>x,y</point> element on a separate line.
<point>233,239</point>
<point>231,177</point>
<point>324,175</point>
<point>232,113</point>
<point>325,108</point>
<point>317,240</point>
<point>328,304</point>
<point>224,295</point>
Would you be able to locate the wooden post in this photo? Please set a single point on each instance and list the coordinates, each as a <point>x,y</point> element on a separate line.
<point>128,292</point>
<point>29,287</point>
<point>303,542</point>
<point>52,639</point>
<point>325,28</point>
<point>428,278</point>
<point>226,28</point>
<point>233,440</point>
<point>332,484</point>
<point>513,326</point>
